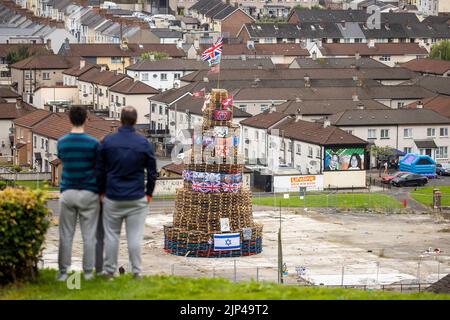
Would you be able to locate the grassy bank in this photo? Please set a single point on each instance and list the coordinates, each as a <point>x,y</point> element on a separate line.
<point>341,200</point>
<point>173,288</point>
<point>33,184</point>
<point>425,195</point>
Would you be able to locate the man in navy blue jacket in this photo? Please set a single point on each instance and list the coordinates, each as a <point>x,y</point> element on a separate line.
<point>123,158</point>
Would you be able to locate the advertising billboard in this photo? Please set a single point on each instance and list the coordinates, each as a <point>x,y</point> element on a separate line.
<point>343,159</point>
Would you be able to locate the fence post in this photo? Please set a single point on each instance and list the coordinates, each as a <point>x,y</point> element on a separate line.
<point>257,274</point>
<point>401,287</point>
<point>172,269</point>
<point>214,272</point>
<point>234,270</point>
<point>342,277</point>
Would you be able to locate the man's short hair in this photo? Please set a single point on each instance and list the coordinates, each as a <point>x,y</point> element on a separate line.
<point>77,115</point>
<point>128,116</point>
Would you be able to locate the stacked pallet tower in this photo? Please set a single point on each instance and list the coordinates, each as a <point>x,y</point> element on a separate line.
<point>213,201</point>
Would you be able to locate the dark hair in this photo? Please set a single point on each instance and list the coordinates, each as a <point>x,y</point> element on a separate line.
<point>77,115</point>
<point>128,117</point>
<point>358,158</point>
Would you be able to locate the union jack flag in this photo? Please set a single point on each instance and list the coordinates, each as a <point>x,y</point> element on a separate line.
<point>231,187</point>
<point>187,175</point>
<point>214,52</point>
<point>197,186</point>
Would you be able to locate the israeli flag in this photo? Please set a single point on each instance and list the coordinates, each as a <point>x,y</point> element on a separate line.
<point>227,241</point>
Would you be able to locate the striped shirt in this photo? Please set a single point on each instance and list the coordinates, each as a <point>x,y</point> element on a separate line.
<point>78,153</point>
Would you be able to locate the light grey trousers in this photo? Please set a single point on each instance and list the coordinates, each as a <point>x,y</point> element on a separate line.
<point>133,213</point>
<point>83,205</point>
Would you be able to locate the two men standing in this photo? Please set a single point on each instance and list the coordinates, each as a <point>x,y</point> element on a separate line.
<point>114,173</point>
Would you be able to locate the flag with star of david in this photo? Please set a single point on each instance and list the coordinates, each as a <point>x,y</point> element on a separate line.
<point>227,241</point>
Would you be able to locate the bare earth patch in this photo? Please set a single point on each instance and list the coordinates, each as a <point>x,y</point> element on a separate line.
<point>373,248</point>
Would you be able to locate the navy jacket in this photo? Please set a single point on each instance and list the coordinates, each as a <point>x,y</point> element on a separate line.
<point>122,158</point>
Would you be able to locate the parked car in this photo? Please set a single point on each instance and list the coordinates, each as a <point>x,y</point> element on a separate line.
<point>443,169</point>
<point>409,180</point>
<point>387,179</point>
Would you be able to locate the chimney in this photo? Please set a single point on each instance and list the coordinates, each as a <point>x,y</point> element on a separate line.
<point>355,78</point>
<point>272,108</point>
<point>371,43</point>
<point>66,44</point>
<point>307,81</point>
<point>103,68</point>
<point>298,116</point>
<point>19,102</point>
<point>260,66</point>
<point>419,104</point>
<point>205,79</point>
<point>314,55</point>
<point>326,123</point>
<point>360,106</point>
<point>49,44</point>
<point>196,44</point>
<point>355,97</point>
<point>243,57</point>
<point>82,63</point>
<point>357,55</point>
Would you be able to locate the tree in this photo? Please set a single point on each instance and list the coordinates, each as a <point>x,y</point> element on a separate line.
<point>441,50</point>
<point>18,54</point>
<point>156,55</point>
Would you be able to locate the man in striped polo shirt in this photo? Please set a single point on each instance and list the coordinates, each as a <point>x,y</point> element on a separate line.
<point>79,193</point>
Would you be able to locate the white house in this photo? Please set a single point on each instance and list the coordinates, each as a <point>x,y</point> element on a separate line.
<point>422,131</point>
<point>130,92</point>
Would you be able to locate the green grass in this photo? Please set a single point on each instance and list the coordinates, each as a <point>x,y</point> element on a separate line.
<point>425,195</point>
<point>173,288</point>
<point>356,200</point>
<point>33,184</point>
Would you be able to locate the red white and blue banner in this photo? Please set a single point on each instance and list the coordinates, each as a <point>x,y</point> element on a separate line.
<point>213,53</point>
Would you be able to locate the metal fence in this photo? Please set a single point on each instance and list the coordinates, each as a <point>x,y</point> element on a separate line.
<point>362,276</point>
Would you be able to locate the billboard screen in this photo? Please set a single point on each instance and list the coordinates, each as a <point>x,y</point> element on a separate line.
<point>343,159</point>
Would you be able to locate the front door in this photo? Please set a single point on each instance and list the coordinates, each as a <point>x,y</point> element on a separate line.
<point>428,152</point>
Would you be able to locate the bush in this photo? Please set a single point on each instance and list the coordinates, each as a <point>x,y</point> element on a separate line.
<point>23,225</point>
<point>2,185</point>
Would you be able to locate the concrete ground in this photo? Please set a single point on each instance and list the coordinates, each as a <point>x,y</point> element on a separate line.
<point>366,247</point>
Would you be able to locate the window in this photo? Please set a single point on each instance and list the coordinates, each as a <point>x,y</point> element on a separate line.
<point>400,105</point>
<point>35,141</point>
<point>407,150</point>
<point>116,60</point>
<point>177,76</point>
<point>318,153</point>
<point>42,143</point>
<point>290,143</point>
<point>124,101</point>
<point>145,76</point>
<point>245,133</point>
<point>27,75</point>
<point>84,88</point>
<point>384,133</point>
<point>310,152</point>
<point>372,134</point>
<point>160,110</point>
<point>112,98</point>
<point>256,135</point>
<point>46,75</point>
<point>431,132</point>
<point>153,107</point>
<point>442,153</point>
<point>443,132</point>
<point>243,107</point>
<point>90,89</point>
<point>299,149</point>
<point>385,58</point>
<point>282,145</point>
<point>163,76</point>
<point>407,132</point>
<point>264,107</point>
<point>349,131</point>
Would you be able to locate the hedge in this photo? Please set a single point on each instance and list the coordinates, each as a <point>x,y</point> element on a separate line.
<point>24,220</point>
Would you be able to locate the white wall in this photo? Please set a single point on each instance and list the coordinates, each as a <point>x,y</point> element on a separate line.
<point>155,78</point>
<point>5,147</point>
<point>41,146</point>
<point>344,179</point>
<point>43,95</point>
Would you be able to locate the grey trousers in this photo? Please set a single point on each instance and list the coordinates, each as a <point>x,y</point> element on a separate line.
<point>82,205</point>
<point>133,213</point>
